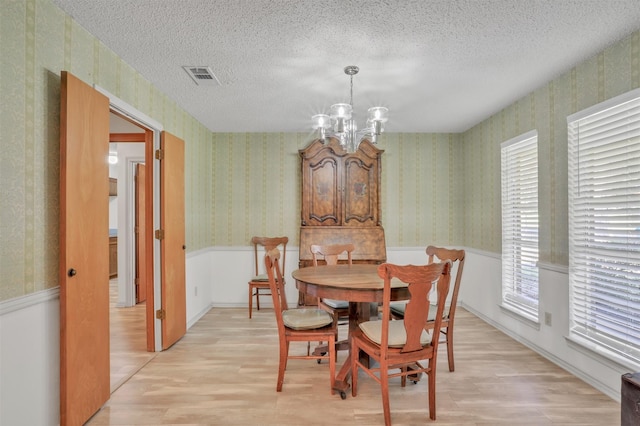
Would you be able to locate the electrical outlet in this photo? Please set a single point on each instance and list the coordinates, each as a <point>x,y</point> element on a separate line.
<point>547,318</point>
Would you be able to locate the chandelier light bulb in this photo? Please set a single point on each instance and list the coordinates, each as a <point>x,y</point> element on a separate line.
<point>378,114</point>
<point>321,121</point>
<point>341,111</point>
<point>342,126</point>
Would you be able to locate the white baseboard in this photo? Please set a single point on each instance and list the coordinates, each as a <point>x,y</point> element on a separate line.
<point>199,315</point>
<point>602,387</point>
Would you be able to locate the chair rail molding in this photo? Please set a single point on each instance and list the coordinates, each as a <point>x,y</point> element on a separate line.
<point>22,302</point>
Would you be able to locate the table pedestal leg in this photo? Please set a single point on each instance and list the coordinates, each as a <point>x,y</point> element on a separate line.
<point>358,313</point>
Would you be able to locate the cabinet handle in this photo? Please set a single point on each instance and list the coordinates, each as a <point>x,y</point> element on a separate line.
<point>72,272</point>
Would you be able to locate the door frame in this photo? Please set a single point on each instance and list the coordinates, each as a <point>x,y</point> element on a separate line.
<point>121,107</point>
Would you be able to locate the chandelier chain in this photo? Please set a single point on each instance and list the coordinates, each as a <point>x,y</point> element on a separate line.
<point>351,95</point>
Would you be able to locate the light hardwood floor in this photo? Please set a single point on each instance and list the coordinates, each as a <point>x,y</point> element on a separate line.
<point>223,372</point>
<point>128,339</point>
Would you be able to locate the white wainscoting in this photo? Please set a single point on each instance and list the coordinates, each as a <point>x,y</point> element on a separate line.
<point>30,359</point>
<point>218,276</point>
<point>198,285</point>
<point>231,269</point>
<point>481,293</point>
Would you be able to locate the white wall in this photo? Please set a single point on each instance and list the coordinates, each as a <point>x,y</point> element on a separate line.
<point>30,360</point>
<point>199,285</point>
<point>232,267</point>
<point>29,326</point>
<point>113,212</point>
<point>113,200</point>
<point>481,293</point>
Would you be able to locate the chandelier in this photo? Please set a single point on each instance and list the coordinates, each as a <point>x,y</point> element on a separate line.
<point>342,125</point>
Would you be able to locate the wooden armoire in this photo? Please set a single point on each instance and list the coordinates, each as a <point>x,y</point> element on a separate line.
<point>341,201</point>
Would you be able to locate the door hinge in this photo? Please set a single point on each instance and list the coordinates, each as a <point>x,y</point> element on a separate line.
<point>161,314</point>
<point>159,154</point>
<point>159,234</point>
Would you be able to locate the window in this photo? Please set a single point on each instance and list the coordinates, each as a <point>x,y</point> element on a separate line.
<point>520,225</point>
<point>604,226</point>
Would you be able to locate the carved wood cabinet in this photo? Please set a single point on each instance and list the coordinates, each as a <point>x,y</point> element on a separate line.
<point>341,201</point>
<point>340,189</point>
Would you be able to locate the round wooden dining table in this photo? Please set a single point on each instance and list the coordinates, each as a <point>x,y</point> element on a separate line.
<point>360,285</point>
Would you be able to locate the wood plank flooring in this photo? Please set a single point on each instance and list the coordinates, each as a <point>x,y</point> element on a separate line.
<point>128,338</point>
<point>223,372</point>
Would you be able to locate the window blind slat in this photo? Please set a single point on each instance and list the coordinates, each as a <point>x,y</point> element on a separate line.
<point>519,165</point>
<point>604,227</point>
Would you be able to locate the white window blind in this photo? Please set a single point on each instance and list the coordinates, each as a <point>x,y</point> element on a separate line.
<point>604,225</point>
<point>519,165</point>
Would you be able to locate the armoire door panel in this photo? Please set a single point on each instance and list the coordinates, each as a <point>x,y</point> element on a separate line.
<point>325,196</point>
<point>359,193</point>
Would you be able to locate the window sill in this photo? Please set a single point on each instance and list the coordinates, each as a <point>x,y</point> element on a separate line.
<point>601,354</point>
<point>520,316</point>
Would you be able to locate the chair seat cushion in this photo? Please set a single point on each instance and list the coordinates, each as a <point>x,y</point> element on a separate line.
<point>399,307</point>
<point>336,304</point>
<point>397,333</point>
<point>261,277</point>
<point>306,319</point>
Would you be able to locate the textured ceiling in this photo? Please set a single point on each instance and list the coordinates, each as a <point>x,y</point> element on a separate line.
<point>439,66</point>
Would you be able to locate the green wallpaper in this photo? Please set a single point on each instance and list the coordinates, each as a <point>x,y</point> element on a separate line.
<point>256,187</point>
<point>614,71</point>
<point>37,42</point>
<point>436,188</point>
<point>421,184</point>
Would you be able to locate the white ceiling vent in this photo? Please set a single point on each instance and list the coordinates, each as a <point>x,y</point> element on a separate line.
<point>203,76</point>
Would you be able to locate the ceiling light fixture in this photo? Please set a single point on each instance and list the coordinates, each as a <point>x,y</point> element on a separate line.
<point>113,157</point>
<point>343,126</point>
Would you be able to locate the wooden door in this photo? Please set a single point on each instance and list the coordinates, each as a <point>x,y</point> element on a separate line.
<point>140,234</point>
<point>172,244</point>
<point>84,251</point>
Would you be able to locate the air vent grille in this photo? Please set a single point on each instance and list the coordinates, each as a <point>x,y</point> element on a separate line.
<point>202,76</point>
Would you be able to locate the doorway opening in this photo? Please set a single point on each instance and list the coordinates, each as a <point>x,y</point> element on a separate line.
<point>131,331</point>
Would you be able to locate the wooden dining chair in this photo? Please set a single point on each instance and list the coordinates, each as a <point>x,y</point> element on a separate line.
<point>259,284</point>
<point>457,259</point>
<point>331,255</point>
<point>298,325</point>
<point>398,344</point>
